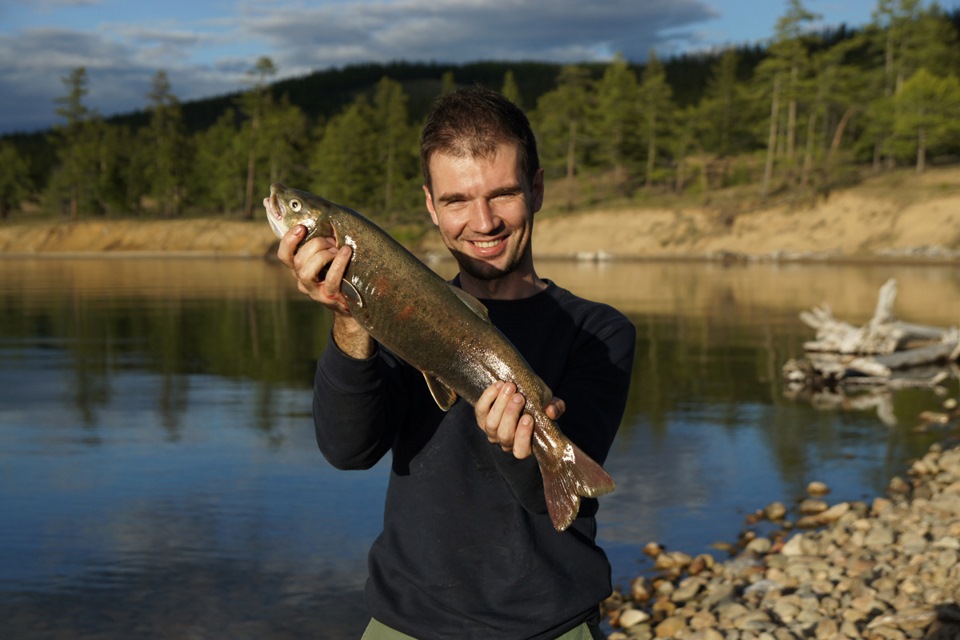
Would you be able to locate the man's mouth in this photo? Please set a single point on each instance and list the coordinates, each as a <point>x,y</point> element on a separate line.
<point>485,244</point>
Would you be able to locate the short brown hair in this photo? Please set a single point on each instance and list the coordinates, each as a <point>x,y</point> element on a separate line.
<point>473,122</point>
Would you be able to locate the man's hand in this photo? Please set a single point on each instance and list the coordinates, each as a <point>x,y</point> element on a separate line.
<point>499,413</point>
<point>309,263</point>
<point>318,267</point>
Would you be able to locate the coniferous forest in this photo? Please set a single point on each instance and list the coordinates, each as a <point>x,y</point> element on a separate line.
<point>808,112</point>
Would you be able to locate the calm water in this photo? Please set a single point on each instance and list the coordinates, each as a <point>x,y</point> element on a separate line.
<point>159,476</point>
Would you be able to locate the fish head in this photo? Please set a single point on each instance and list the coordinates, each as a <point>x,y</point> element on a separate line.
<point>286,208</point>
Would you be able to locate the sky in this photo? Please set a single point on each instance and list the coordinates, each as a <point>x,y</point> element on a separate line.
<point>207,47</point>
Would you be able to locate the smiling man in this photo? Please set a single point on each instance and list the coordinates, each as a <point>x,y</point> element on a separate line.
<point>468,549</point>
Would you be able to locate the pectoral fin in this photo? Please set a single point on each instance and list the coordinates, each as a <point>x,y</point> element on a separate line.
<point>443,395</point>
<point>350,292</point>
<point>475,305</point>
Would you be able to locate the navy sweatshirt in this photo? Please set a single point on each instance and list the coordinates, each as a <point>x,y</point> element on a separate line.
<point>467,548</point>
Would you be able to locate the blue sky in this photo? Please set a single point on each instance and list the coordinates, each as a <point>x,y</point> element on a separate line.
<point>207,46</point>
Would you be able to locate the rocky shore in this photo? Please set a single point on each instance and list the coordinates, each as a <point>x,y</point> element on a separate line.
<point>887,570</point>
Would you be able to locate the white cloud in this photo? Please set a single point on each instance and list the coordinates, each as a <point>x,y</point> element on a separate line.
<point>211,56</point>
<point>458,31</point>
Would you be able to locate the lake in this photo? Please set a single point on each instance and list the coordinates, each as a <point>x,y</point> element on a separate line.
<point>159,476</point>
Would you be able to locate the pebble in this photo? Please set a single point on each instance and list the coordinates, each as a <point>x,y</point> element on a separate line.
<point>775,511</point>
<point>884,570</point>
<point>817,488</point>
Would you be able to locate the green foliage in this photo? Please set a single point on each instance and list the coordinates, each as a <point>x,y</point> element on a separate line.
<point>344,165</point>
<point>613,123</point>
<point>926,113</point>
<point>163,157</point>
<point>656,107</point>
<point>815,102</point>
<point>723,123</point>
<point>510,90</point>
<point>76,147</point>
<point>218,176</point>
<point>15,183</point>
<point>398,155</point>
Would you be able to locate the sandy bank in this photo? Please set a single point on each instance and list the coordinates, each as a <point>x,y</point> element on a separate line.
<point>893,216</point>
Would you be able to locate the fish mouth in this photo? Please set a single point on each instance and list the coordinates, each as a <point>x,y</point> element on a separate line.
<point>275,214</point>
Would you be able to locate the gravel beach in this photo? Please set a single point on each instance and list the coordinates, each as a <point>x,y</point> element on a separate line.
<point>886,570</point>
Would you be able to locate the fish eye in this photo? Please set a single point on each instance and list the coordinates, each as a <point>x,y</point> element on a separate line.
<point>295,205</point>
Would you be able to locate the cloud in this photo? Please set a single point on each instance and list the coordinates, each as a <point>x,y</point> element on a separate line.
<point>462,31</point>
<point>119,74</point>
<point>211,56</point>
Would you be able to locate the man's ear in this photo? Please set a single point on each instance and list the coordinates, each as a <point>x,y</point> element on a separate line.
<point>430,207</point>
<point>537,189</point>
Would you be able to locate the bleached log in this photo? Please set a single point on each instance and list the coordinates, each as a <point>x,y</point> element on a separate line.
<point>931,354</point>
<point>882,335</point>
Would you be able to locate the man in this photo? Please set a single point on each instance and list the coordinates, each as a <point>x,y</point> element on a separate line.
<point>467,549</point>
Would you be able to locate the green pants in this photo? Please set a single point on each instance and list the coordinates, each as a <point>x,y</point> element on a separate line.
<point>376,630</point>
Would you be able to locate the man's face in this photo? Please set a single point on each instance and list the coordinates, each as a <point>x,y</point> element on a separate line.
<point>484,210</point>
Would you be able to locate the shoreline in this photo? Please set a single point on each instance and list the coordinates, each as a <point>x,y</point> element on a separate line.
<point>893,217</point>
<point>431,255</point>
<point>887,570</point>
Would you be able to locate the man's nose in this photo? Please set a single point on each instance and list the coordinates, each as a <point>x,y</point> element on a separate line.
<point>484,219</point>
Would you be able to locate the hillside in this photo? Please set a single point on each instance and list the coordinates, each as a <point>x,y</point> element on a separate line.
<point>898,215</point>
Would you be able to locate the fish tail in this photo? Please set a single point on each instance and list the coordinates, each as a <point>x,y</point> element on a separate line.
<point>569,475</point>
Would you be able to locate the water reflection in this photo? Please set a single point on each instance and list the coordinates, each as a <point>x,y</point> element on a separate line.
<point>159,475</point>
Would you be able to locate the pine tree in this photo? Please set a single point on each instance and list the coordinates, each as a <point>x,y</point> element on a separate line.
<point>927,113</point>
<point>614,121</point>
<point>510,90</point>
<point>784,69</point>
<point>15,182</point>
<point>448,82</point>
<point>284,139</point>
<point>165,146</point>
<point>71,139</point>
<point>560,119</point>
<point>345,166</point>
<point>219,165</point>
<point>255,104</point>
<point>908,38</point>
<point>396,159</point>
<point>655,107</point>
<point>724,109</point>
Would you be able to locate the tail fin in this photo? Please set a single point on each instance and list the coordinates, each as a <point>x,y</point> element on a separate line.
<point>568,477</point>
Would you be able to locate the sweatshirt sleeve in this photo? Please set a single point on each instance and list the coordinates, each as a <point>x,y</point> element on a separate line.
<point>350,403</point>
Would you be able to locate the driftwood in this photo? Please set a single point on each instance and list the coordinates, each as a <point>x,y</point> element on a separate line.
<point>884,334</point>
<point>877,349</point>
<point>876,359</point>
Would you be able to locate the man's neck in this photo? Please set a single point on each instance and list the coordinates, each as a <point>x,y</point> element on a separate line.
<point>512,287</point>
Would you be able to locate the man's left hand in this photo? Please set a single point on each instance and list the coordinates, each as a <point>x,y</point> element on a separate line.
<point>499,413</point>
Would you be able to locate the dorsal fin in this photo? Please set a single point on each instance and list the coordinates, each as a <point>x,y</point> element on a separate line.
<point>475,305</point>
<point>443,395</point>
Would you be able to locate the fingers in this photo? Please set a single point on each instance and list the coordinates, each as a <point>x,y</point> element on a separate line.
<point>318,266</point>
<point>499,413</point>
<point>288,244</point>
<point>523,438</point>
<point>331,282</point>
<point>555,408</point>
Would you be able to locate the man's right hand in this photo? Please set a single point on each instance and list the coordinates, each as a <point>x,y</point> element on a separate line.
<point>318,267</point>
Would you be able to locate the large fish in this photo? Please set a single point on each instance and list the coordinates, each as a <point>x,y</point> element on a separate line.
<point>443,332</point>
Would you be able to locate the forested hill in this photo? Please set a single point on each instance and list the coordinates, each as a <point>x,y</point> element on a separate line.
<point>808,113</point>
